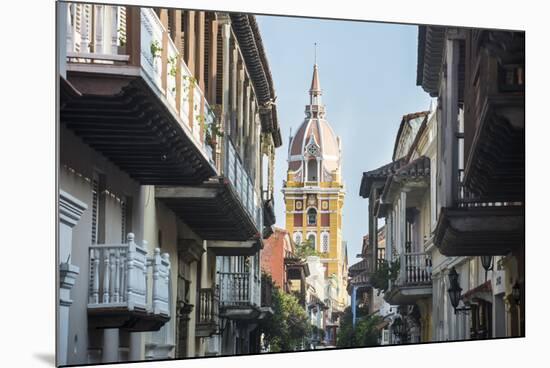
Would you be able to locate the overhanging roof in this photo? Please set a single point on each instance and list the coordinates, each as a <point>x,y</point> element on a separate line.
<point>248,34</point>
<point>430,56</point>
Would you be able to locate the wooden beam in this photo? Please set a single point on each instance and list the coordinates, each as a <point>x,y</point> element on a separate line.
<point>133,35</point>
<point>186,192</point>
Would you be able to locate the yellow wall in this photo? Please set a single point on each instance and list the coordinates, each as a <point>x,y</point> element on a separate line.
<point>336,202</point>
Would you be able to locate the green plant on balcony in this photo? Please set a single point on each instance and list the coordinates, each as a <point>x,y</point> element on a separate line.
<point>385,271</point>
<point>305,249</point>
<point>213,131</point>
<point>173,65</point>
<point>155,49</point>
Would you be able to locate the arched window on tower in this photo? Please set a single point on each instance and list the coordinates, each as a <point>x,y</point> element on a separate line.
<point>297,238</point>
<point>311,240</point>
<point>312,170</point>
<point>325,242</point>
<point>311,217</point>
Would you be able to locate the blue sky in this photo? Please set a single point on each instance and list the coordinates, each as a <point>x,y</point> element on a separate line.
<point>368,76</point>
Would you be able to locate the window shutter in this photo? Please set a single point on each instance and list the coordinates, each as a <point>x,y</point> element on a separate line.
<point>95,206</point>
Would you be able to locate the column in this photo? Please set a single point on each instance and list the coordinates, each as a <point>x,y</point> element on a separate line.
<point>65,35</point>
<point>450,120</point>
<point>177,32</point>
<point>110,345</point>
<point>213,62</point>
<point>189,42</point>
<point>234,76</point>
<point>135,346</point>
<point>70,211</point>
<point>98,29</point>
<point>199,66</point>
<point>226,33</point>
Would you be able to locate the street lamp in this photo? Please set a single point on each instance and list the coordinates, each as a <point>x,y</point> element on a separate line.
<point>516,293</point>
<point>455,291</point>
<point>398,328</point>
<point>487,263</point>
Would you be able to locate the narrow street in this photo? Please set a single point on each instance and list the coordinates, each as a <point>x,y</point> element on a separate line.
<point>226,190</point>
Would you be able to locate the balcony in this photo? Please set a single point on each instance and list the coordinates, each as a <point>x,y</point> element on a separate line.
<point>128,95</point>
<point>226,210</point>
<point>207,312</point>
<point>128,289</point>
<point>478,226</point>
<point>414,280</point>
<point>494,114</point>
<point>239,295</point>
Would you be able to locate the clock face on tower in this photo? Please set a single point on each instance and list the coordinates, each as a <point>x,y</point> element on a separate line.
<point>313,150</point>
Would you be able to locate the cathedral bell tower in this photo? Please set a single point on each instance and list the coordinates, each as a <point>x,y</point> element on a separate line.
<point>314,191</point>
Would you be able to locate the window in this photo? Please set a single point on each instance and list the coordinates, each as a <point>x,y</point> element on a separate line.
<point>298,238</point>
<point>312,170</point>
<point>311,217</point>
<point>325,242</point>
<point>311,241</point>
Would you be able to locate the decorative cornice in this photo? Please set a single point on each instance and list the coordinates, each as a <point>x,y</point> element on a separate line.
<point>70,208</point>
<point>190,250</point>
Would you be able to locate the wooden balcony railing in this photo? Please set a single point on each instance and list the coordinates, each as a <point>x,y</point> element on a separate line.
<point>243,184</point>
<point>239,289</point>
<point>466,199</point>
<point>113,36</point>
<point>208,306</point>
<point>415,269</point>
<point>266,292</point>
<point>120,275</point>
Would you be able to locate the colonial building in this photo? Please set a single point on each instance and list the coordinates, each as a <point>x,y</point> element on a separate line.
<point>453,195</point>
<point>398,194</point>
<point>314,193</point>
<point>478,77</point>
<point>167,131</point>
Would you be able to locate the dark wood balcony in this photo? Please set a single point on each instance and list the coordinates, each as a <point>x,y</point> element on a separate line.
<point>226,210</point>
<point>137,109</point>
<point>494,114</point>
<point>207,312</point>
<point>414,281</point>
<point>477,226</point>
<point>240,295</point>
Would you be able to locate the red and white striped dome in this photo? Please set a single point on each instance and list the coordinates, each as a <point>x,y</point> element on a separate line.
<point>315,138</point>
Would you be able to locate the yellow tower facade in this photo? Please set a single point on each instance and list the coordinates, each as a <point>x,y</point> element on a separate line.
<point>314,192</point>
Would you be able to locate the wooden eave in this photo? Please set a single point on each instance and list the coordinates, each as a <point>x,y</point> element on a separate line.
<point>495,167</point>
<point>480,231</point>
<point>409,294</point>
<point>136,320</point>
<point>212,210</point>
<point>122,118</point>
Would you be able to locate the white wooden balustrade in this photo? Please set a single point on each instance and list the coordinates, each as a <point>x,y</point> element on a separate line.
<point>96,31</point>
<point>96,34</point>
<point>415,269</point>
<point>120,275</point>
<point>239,289</point>
<point>243,184</point>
